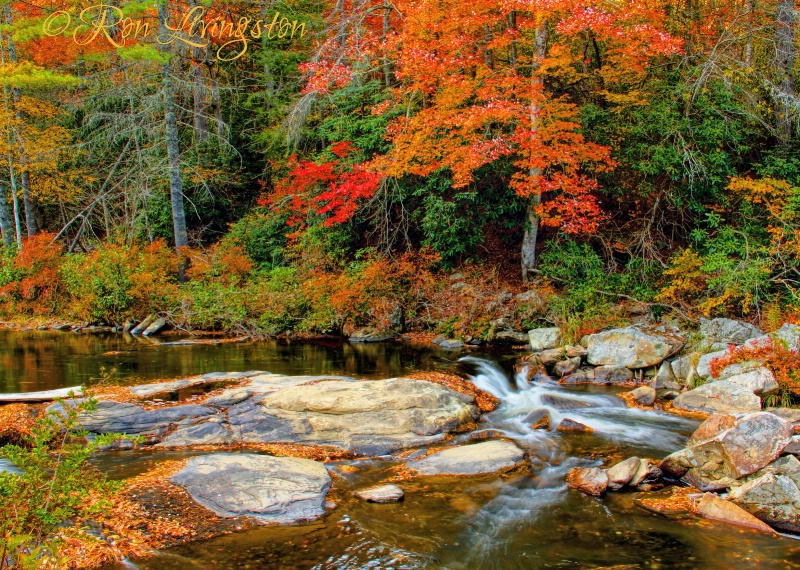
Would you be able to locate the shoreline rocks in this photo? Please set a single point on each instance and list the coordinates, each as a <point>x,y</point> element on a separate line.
<point>272,490</point>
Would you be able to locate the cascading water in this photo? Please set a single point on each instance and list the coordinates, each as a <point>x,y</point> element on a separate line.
<point>520,502</point>
<point>607,415</point>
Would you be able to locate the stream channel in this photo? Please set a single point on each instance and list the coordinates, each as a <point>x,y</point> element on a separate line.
<point>525,521</point>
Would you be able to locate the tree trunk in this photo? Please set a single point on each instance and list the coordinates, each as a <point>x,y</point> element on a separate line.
<point>532,218</point>
<point>199,91</point>
<point>173,156</point>
<point>748,46</point>
<point>30,215</point>
<point>6,225</point>
<point>785,48</point>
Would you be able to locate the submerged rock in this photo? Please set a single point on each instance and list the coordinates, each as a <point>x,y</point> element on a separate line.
<point>715,508</point>
<point>630,347</point>
<point>281,490</point>
<point>715,397</point>
<point>729,452</point>
<point>538,419</point>
<point>590,480</point>
<point>571,425</point>
<point>474,459</point>
<point>381,494</point>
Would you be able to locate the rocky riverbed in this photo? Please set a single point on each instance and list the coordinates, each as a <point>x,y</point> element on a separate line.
<point>271,449</point>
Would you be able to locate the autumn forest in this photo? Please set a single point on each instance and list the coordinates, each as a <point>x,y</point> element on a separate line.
<point>316,167</point>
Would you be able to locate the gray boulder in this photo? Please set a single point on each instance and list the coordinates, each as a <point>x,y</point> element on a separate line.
<point>664,376</point>
<point>641,396</point>
<point>630,347</point>
<point>282,490</point>
<point>729,447</point>
<point>761,381</point>
<point>476,459</point>
<point>645,473</point>
<point>716,397</point>
<point>611,374</point>
<point>511,337</point>
<point>371,334</point>
<point>773,494</point>
<point>788,334</point>
<point>685,367</point>
<point>370,417</point>
<point>704,362</point>
<point>739,368</point>
<point>727,331</point>
<point>542,339</point>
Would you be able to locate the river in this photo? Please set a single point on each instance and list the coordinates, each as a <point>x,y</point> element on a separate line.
<point>516,522</point>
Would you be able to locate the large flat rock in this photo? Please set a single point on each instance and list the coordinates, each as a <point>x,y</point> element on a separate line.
<point>475,459</point>
<point>370,417</point>
<point>363,417</point>
<point>280,490</point>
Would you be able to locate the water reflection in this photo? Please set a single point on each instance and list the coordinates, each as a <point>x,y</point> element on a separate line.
<point>39,360</point>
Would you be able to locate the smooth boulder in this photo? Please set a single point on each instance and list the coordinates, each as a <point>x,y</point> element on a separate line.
<point>715,397</point>
<point>630,347</point>
<point>621,474</point>
<point>476,459</point>
<point>279,490</point>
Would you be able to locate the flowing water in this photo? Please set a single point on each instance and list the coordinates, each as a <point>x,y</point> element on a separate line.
<point>519,521</point>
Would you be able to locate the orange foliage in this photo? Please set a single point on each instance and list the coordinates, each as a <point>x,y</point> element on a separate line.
<point>784,363</point>
<point>35,275</point>
<point>227,263</point>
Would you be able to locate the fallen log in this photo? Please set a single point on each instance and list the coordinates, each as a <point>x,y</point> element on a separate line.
<point>46,396</point>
